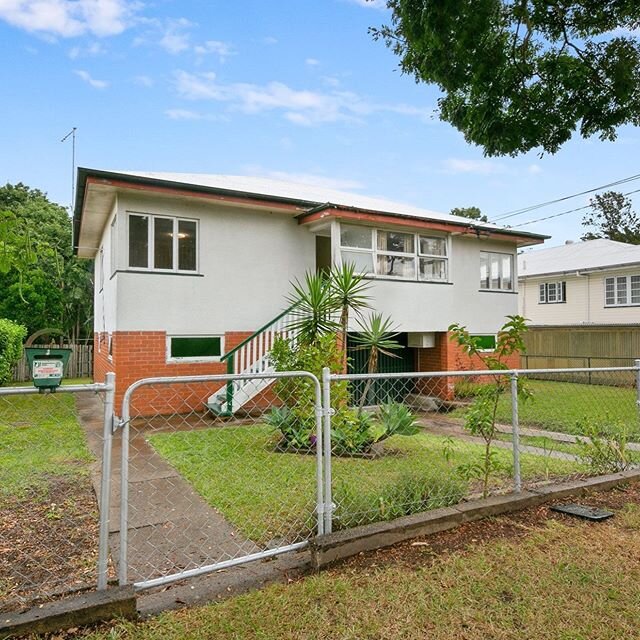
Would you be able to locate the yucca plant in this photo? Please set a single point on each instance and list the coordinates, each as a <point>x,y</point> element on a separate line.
<point>377,336</point>
<point>315,310</point>
<point>349,291</point>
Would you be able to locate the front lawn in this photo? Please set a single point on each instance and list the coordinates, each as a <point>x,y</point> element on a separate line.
<point>269,495</point>
<point>519,577</point>
<point>567,406</point>
<point>40,437</point>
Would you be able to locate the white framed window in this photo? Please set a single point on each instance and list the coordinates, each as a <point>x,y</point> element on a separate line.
<point>162,243</point>
<point>496,271</point>
<point>622,291</point>
<point>486,342</point>
<point>395,254</point>
<point>552,292</point>
<point>195,348</point>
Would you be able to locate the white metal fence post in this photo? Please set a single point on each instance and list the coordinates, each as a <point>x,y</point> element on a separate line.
<point>105,481</point>
<point>328,496</point>
<point>319,454</point>
<point>515,430</point>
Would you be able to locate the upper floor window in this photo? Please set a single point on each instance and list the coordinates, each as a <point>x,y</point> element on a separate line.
<point>622,291</point>
<point>395,254</point>
<point>496,271</point>
<point>552,292</point>
<point>162,243</point>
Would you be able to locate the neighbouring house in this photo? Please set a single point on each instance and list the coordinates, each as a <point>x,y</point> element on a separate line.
<point>582,301</point>
<point>192,272</point>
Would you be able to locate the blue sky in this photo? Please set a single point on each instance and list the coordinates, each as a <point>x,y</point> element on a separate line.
<point>292,89</point>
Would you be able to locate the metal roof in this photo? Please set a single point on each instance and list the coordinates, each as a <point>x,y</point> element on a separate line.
<point>578,256</point>
<point>306,196</point>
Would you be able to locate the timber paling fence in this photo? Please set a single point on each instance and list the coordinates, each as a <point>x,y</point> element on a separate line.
<point>197,486</point>
<point>80,364</point>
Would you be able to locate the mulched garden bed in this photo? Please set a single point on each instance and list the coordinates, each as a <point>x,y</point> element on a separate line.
<point>48,543</point>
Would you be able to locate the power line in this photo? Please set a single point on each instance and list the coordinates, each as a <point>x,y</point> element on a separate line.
<point>564,213</point>
<point>517,212</point>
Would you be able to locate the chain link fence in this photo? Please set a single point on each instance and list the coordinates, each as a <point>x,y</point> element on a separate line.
<point>51,470</point>
<point>412,442</point>
<point>217,470</point>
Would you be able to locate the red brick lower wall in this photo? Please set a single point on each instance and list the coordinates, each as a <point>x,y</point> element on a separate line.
<point>143,354</point>
<point>447,355</point>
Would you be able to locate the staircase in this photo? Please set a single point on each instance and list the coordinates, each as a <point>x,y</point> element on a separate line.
<point>251,356</point>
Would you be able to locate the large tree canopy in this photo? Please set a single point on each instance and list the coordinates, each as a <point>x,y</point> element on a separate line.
<point>469,212</point>
<point>612,217</point>
<point>523,74</point>
<point>41,283</point>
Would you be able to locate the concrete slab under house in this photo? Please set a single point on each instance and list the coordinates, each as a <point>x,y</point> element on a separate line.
<point>191,268</point>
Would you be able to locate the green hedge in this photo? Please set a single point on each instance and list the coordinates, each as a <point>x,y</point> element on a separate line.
<point>11,336</point>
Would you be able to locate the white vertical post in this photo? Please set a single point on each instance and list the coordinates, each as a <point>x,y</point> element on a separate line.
<point>328,497</point>
<point>123,560</point>
<point>319,454</point>
<point>105,482</point>
<point>637,366</point>
<point>515,429</point>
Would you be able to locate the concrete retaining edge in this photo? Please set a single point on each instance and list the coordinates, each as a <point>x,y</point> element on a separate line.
<point>77,611</point>
<point>333,547</point>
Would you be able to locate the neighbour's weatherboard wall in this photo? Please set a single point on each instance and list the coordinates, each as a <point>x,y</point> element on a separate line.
<point>585,300</point>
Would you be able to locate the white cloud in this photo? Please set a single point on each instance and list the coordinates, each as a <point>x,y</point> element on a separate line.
<point>94,49</point>
<point>370,4</point>
<point>183,114</point>
<point>96,84</point>
<point>176,37</point>
<point>70,18</point>
<point>143,81</point>
<point>534,169</point>
<point>317,180</point>
<point>270,40</point>
<point>479,167</point>
<point>222,49</point>
<point>301,107</point>
<point>312,62</point>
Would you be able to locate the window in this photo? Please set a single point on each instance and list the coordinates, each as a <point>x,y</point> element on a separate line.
<point>395,254</point>
<point>485,343</point>
<point>194,347</point>
<point>552,292</point>
<point>496,271</point>
<point>161,243</point>
<point>622,291</point>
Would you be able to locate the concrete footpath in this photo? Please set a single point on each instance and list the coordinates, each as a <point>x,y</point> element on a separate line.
<point>171,528</point>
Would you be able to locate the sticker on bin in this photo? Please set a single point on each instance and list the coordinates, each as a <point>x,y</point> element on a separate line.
<point>44,369</point>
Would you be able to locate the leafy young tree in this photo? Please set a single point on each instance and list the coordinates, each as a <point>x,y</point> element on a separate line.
<point>522,74</point>
<point>612,217</point>
<point>480,419</point>
<point>469,212</point>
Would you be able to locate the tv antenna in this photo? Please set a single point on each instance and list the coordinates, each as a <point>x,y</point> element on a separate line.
<point>72,135</point>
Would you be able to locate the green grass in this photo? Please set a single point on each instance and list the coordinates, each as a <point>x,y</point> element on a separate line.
<point>39,437</point>
<point>564,406</point>
<point>264,493</point>
<point>558,582</point>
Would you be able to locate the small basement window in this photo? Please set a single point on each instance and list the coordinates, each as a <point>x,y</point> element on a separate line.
<point>485,343</point>
<point>194,347</point>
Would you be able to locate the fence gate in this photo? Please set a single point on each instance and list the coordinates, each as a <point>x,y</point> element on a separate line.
<point>207,481</point>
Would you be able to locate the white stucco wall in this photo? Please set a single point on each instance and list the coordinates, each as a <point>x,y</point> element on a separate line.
<point>247,260</point>
<point>105,296</point>
<point>585,301</point>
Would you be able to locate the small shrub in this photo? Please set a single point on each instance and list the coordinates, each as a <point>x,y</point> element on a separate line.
<point>397,419</point>
<point>605,448</point>
<point>11,336</point>
<point>410,493</point>
<point>296,433</point>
